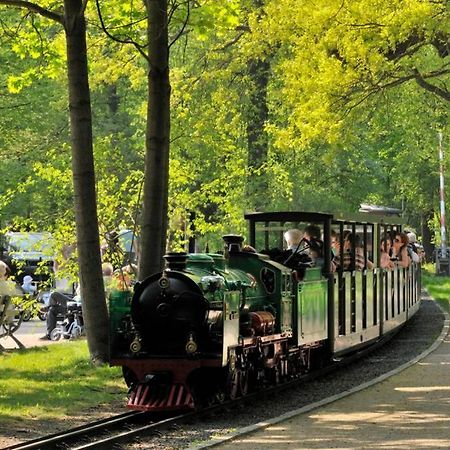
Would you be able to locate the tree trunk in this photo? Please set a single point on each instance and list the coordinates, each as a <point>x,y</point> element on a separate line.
<point>155,193</point>
<point>88,243</point>
<point>428,246</point>
<point>257,139</point>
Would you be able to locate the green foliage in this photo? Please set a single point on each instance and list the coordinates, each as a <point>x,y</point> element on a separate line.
<point>337,136</point>
<point>337,54</point>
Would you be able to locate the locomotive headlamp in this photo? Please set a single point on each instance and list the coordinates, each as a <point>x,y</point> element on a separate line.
<point>191,346</point>
<point>135,346</point>
<point>163,282</point>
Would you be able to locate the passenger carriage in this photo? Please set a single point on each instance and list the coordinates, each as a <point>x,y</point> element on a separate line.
<point>361,305</point>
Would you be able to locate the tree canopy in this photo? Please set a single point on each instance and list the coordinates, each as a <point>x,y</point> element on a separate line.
<point>341,101</point>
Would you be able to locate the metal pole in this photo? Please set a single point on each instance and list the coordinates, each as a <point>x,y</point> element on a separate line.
<point>442,197</point>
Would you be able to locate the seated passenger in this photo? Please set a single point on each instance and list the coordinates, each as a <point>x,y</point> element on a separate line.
<point>312,232</point>
<point>353,250</point>
<point>316,252</point>
<point>412,247</point>
<point>421,252</point>
<point>385,252</point>
<point>293,239</point>
<point>312,238</point>
<point>334,243</point>
<point>400,250</point>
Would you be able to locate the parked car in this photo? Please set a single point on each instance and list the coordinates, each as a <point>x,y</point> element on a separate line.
<point>28,253</point>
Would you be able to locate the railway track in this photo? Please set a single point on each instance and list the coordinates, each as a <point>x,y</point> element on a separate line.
<point>123,428</point>
<point>71,437</point>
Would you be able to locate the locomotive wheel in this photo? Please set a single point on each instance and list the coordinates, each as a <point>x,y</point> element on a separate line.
<point>280,372</point>
<point>274,374</point>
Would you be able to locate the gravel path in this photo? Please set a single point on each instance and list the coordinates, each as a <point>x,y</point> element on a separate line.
<point>412,340</point>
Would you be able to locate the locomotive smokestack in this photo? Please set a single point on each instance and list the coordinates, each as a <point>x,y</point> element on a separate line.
<point>233,242</point>
<point>176,261</point>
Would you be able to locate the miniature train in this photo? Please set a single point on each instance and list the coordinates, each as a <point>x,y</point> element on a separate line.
<point>217,326</point>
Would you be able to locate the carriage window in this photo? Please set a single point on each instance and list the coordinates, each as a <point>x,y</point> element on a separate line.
<point>270,235</point>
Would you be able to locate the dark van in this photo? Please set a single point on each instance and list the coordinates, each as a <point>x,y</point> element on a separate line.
<point>28,253</point>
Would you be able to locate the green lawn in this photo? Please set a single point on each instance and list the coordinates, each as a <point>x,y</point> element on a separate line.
<point>437,286</point>
<point>55,382</point>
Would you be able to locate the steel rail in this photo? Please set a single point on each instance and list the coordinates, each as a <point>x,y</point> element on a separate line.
<point>52,440</point>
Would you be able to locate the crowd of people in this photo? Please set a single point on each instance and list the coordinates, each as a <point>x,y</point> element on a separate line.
<point>305,249</point>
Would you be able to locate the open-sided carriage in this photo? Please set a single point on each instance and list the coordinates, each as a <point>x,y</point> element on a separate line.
<point>362,304</point>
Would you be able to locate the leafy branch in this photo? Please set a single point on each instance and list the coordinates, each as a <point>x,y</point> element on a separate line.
<point>34,8</point>
<point>125,40</point>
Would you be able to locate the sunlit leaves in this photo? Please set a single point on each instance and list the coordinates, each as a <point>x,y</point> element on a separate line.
<point>337,53</point>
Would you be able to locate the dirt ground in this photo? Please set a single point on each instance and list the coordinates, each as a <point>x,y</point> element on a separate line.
<point>20,431</point>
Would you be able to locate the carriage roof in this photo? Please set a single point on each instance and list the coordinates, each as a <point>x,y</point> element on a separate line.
<point>316,217</point>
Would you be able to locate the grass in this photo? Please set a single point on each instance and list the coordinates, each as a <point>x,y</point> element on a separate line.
<point>55,382</point>
<point>437,286</point>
